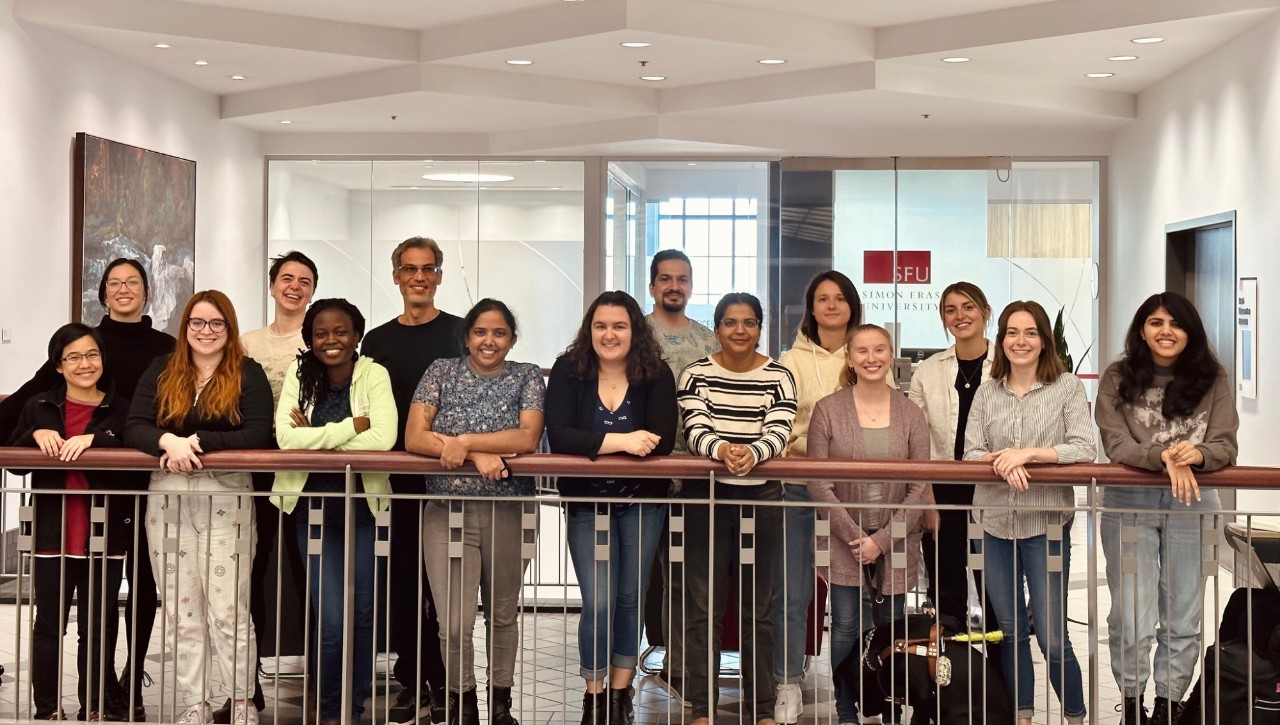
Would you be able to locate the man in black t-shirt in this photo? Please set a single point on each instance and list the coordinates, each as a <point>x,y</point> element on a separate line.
<point>406,346</point>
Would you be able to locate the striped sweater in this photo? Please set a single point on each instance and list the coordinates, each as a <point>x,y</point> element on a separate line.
<point>755,408</point>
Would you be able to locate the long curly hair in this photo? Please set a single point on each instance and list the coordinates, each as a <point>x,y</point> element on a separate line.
<point>176,387</point>
<point>644,359</point>
<point>1194,372</point>
<point>313,379</point>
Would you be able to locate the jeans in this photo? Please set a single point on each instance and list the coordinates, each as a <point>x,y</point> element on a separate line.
<point>1165,608</point>
<point>628,534</point>
<point>854,611</point>
<point>482,550</point>
<point>1009,563</point>
<point>753,559</point>
<point>94,584</point>
<point>324,574</point>
<point>794,585</point>
<point>413,615</point>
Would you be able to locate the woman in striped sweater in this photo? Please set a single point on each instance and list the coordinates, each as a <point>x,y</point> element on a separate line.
<point>737,406</point>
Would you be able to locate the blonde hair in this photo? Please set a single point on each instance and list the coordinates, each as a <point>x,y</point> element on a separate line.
<point>847,376</point>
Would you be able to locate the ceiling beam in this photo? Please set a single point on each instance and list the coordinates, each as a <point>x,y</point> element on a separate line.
<point>523,28</point>
<point>1044,20</point>
<point>778,87</point>
<point>1006,90</point>
<point>748,26</point>
<point>207,22</point>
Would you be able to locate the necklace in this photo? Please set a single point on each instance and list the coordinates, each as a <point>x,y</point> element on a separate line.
<point>966,377</point>
<point>605,379</point>
<point>865,409</point>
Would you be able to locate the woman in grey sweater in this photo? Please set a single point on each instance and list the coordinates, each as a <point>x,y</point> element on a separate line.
<point>867,419</point>
<point>1166,404</point>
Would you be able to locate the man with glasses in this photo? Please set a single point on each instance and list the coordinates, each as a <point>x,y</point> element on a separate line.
<point>406,346</point>
<point>682,341</point>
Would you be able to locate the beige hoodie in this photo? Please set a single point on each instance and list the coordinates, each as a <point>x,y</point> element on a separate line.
<point>817,375</point>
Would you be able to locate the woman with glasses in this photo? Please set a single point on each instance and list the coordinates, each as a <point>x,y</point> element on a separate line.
<point>1032,411</point>
<point>479,408</point>
<point>1166,404</point>
<point>79,413</point>
<point>129,345</point>
<point>611,393</point>
<point>336,400</point>
<point>738,406</point>
<point>205,397</point>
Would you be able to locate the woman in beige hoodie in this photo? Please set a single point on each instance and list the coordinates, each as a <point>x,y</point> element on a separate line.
<point>816,360</point>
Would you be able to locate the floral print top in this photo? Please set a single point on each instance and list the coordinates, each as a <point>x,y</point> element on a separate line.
<point>469,403</point>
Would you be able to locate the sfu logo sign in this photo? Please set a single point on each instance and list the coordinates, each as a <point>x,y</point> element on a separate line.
<point>879,267</point>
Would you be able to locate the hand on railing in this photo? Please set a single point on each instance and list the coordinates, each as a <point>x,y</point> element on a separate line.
<point>1178,460</point>
<point>180,453</point>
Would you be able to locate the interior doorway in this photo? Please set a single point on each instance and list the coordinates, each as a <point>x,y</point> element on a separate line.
<point>1201,265</point>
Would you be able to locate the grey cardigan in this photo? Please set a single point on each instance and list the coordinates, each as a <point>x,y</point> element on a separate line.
<point>834,432</point>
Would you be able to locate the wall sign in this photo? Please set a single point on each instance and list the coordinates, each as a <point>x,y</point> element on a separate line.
<point>1247,337</point>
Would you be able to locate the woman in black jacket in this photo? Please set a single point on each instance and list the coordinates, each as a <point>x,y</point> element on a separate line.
<point>76,414</point>
<point>611,393</point>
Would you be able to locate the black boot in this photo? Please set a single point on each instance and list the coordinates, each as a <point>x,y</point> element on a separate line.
<point>464,708</point>
<point>620,712</point>
<point>1133,712</point>
<point>500,707</point>
<point>131,686</point>
<point>1165,712</point>
<point>595,706</point>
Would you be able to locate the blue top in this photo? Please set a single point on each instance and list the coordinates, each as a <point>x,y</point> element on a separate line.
<point>469,403</point>
<point>333,409</point>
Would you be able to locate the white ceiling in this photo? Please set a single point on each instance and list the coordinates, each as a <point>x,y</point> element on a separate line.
<point>340,69</point>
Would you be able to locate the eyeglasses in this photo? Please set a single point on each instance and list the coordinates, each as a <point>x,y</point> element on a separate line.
<point>411,270</point>
<point>195,324</point>
<point>131,283</point>
<point>74,358</point>
<point>750,323</point>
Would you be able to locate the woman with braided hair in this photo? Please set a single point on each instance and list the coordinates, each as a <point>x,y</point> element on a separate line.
<point>333,399</point>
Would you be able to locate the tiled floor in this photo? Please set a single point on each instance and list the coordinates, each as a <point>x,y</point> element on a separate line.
<point>550,688</point>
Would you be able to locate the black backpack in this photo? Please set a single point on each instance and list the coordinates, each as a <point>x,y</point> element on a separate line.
<point>1238,681</point>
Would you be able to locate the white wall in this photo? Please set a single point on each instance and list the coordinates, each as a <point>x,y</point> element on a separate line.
<point>52,87</point>
<point>1207,140</point>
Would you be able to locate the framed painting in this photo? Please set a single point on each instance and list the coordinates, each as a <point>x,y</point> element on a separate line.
<point>135,203</point>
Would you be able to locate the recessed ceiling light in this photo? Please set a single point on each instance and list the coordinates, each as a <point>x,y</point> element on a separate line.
<point>1123,57</point>
<point>468,178</point>
<point>539,161</point>
<point>202,62</point>
<point>635,44</point>
<point>519,62</point>
<point>162,46</point>
<point>771,61</point>
<point>555,188</point>
<point>1098,75</point>
<point>286,122</point>
<point>653,78</point>
<point>1149,39</point>
<point>955,59</point>
<point>237,78</point>
<point>691,164</point>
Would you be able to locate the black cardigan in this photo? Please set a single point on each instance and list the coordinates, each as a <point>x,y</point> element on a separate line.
<point>47,411</point>
<point>255,430</point>
<point>570,407</point>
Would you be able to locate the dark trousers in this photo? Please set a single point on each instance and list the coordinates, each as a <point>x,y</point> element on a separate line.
<point>415,627</point>
<point>715,559</point>
<point>94,585</point>
<point>143,599</point>
<point>946,556</point>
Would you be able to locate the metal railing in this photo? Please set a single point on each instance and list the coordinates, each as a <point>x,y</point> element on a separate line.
<point>547,666</point>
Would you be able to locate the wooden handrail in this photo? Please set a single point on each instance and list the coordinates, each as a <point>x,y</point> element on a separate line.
<point>1244,477</point>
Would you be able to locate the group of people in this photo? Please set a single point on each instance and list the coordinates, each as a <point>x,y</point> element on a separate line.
<point>627,384</point>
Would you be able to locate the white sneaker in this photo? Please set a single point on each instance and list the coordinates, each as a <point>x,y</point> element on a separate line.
<point>243,712</point>
<point>786,709</point>
<point>200,714</point>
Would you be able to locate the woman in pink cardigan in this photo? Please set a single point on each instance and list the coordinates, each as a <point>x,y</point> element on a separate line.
<point>867,418</point>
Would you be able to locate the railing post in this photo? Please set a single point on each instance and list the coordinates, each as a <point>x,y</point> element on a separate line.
<point>1091,554</point>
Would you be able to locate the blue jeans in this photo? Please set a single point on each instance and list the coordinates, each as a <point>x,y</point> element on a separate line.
<point>1009,563</point>
<point>1166,607</point>
<point>793,588</point>
<point>328,596</point>
<point>611,587</point>
<point>853,612</point>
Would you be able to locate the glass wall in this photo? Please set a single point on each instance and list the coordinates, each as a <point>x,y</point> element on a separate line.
<point>713,211</point>
<point>508,229</point>
<point>1028,230</point>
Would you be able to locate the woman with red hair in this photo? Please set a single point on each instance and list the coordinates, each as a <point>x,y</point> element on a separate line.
<point>207,396</point>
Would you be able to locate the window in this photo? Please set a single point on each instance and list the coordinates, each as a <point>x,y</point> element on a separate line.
<point>721,237</point>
